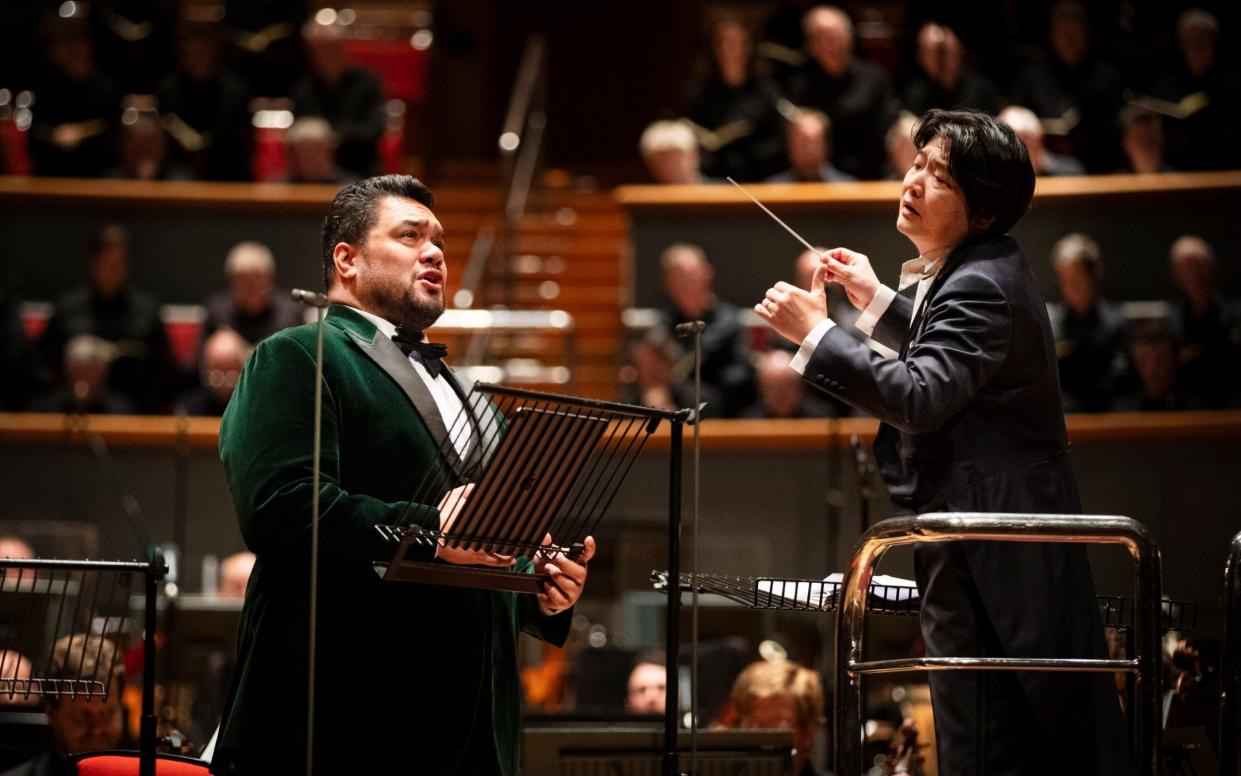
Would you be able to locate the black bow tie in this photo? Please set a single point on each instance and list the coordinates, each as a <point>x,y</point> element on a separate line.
<point>431,354</point>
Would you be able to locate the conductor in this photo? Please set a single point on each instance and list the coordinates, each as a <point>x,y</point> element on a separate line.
<point>972,422</point>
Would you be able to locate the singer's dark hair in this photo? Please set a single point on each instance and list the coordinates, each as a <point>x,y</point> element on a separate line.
<point>987,160</point>
<point>355,208</point>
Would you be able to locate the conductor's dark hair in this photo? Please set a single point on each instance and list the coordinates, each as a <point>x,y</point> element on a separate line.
<point>355,208</point>
<point>988,161</point>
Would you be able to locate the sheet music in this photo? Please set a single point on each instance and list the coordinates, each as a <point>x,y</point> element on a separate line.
<point>818,595</point>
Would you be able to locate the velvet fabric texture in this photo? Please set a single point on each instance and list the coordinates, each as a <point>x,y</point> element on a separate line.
<point>409,677</point>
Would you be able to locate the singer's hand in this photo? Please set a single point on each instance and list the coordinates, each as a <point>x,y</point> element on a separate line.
<point>793,311</point>
<point>853,271</point>
<point>568,578</point>
<point>450,507</point>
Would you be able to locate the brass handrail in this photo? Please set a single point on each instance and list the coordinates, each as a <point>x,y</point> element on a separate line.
<point>1002,527</point>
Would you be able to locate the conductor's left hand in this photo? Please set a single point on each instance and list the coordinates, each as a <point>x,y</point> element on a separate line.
<point>568,578</point>
<point>794,311</point>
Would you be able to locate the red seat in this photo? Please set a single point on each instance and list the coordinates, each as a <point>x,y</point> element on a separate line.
<point>126,764</point>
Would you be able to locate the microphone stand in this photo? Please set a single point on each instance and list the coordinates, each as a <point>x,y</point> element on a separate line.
<point>319,302</point>
<point>694,329</point>
<point>865,474</point>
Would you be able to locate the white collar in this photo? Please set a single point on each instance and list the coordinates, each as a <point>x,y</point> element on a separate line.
<point>383,324</point>
<point>921,268</point>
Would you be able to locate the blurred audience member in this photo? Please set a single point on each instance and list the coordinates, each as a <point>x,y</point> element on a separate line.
<point>898,142</point>
<point>781,391</point>
<point>253,306</point>
<point>1157,360</point>
<point>127,318</point>
<point>782,695</point>
<point>87,365</point>
<point>235,573</point>
<point>1030,130</point>
<point>15,548</point>
<point>734,108</point>
<point>81,724</point>
<point>1206,134</point>
<point>646,690</point>
<point>1074,91</point>
<point>350,98</point>
<point>1092,340</point>
<point>1142,140</point>
<point>670,152</point>
<point>132,38</point>
<point>143,152</point>
<point>224,354</point>
<point>944,78</point>
<point>205,108</point>
<point>1209,325</point>
<point>71,134</point>
<point>856,95</point>
<point>809,144</point>
<point>267,50</point>
<point>312,152</point>
<point>16,358</point>
<point>665,363</point>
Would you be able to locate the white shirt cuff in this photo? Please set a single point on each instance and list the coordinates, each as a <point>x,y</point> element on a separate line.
<point>879,304</point>
<point>798,364</point>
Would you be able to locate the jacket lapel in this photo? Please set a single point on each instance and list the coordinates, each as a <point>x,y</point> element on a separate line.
<point>919,321</point>
<point>390,359</point>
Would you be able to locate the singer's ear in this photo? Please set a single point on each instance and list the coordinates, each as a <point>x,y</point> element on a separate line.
<point>345,257</point>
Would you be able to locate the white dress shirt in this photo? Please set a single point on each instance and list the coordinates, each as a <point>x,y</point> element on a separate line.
<point>445,397</point>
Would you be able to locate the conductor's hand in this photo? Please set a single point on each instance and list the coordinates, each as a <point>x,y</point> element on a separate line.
<point>794,311</point>
<point>853,271</point>
<point>450,508</point>
<point>568,578</point>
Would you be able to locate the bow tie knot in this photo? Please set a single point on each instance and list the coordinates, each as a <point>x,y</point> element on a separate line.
<point>431,354</point>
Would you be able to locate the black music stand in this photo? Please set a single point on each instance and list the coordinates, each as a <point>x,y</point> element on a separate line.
<point>44,601</point>
<point>541,465</point>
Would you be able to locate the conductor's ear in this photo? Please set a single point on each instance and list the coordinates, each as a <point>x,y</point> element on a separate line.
<point>982,222</point>
<point>345,258</point>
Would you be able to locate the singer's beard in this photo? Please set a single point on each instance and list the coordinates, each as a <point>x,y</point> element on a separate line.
<point>406,306</point>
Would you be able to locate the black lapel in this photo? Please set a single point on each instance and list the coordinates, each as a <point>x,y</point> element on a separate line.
<point>916,327</point>
<point>389,357</point>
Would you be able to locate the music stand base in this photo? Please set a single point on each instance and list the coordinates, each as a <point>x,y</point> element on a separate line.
<point>465,576</point>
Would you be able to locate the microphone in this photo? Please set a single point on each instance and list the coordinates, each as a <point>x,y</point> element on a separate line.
<point>690,328</point>
<point>309,298</point>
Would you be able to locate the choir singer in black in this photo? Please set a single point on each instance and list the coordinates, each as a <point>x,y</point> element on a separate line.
<point>972,422</point>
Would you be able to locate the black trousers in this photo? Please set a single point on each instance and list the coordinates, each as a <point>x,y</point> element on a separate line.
<point>1001,599</point>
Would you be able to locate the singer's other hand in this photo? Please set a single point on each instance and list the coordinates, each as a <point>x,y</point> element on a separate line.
<point>568,579</point>
<point>450,507</point>
<point>794,311</point>
<point>853,271</point>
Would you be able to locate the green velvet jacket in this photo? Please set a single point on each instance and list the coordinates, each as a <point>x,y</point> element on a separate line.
<point>405,671</point>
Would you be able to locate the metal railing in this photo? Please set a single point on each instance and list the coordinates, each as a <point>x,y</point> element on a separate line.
<point>1230,665</point>
<point>521,150</point>
<point>474,331</point>
<point>945,527</point>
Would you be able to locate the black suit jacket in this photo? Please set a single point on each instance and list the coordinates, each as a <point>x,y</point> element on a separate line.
<point>972,422</point>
